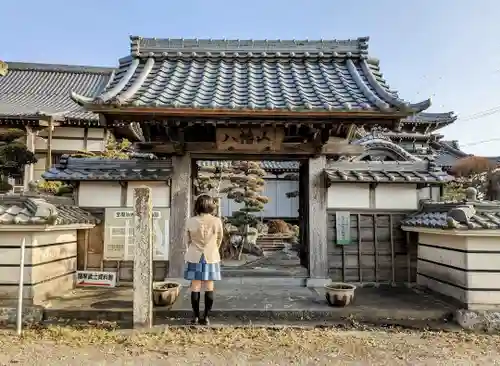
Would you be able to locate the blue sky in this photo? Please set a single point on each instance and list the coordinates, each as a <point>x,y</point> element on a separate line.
<point>448,50</point>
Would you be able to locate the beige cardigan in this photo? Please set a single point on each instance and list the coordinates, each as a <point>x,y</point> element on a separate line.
<point>204,237</point>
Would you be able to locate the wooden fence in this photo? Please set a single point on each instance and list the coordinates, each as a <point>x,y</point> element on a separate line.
<point>379,251</point>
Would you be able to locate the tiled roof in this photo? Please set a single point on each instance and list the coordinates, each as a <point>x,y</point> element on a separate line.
<point>447,154</point>
<point>322,76</point>
<point>468,215</point>
<point>30,90</point>
<point>438,118</point>
<point>267,165</point>
<point>19,210</point>
<point>384,172</point>
<point>380,143</point>
<point>92,169</point>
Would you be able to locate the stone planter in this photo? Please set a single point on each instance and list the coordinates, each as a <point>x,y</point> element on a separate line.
<point>339,294</point>
<point>165,293</point>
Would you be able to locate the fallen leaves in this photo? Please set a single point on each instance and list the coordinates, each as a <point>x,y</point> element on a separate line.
<point>387,345</point>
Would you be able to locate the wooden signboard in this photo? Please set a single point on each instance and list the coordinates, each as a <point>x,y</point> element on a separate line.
<point>343,227</point>
<point>3,68</point>
<point>250,139</point>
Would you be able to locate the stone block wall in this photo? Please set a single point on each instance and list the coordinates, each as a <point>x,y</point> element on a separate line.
<point>464,267</point>
<point>50,264</point>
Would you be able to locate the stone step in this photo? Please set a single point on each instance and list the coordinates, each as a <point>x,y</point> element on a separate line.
<point>163,314</point>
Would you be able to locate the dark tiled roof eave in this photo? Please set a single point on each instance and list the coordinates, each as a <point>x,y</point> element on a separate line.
<point>104,175</point>
<point>99,169</point>
<point>267,165</point>
<point>426,117</point>
<point>296,76</point>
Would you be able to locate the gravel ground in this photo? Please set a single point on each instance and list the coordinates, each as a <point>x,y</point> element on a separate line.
<point>57,346</point>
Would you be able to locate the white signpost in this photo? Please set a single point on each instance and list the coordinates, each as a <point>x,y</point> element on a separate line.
<point>95,279</point>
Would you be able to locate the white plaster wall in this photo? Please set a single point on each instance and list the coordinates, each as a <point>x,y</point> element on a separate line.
<point>349,195</point>
<point>396,196</point>
<point>96,133</point>
<point>75,143</point>
<point>159,190</point>
<point>429,193</point>
<point>279,204</point>
<point>99,194</point>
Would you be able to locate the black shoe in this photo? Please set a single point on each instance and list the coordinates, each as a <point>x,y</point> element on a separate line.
<point>195,321</point>
<point>204,321</point>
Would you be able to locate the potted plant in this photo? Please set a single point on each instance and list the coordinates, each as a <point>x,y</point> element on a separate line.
<point>339,294</point>
<point>165,293</point>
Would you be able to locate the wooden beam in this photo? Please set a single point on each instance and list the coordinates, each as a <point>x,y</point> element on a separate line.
<point>335,147</point>
<point>184,112</point>
<point>48,161</point>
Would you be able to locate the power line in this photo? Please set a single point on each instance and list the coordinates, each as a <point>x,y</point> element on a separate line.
<point>481,114</point>
<point>480,142</point>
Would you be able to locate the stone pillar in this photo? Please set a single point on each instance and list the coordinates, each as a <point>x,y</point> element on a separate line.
<point>180,211</point>
<point>29,170</point>
<point>143,258</point>
<point>317,220</point>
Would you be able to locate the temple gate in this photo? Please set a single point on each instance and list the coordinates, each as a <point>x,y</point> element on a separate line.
<point>235,99</point>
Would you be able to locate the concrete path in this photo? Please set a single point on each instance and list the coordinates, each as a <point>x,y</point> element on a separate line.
<point>244,304</point>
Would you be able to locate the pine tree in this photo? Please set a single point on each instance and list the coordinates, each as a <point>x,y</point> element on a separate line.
<point>14,156</point>
<point>246,185</point>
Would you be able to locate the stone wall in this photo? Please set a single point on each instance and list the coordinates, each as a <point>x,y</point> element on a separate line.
<point>464,267</point>
<point>50,264</point>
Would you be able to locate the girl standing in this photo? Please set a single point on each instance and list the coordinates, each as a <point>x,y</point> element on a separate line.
<point>204,236</point>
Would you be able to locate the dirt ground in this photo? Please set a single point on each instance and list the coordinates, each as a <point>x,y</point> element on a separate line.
<point>247,346</point>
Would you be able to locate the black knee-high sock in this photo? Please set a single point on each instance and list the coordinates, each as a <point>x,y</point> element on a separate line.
<point>195,303</point>
<point>209,301</point>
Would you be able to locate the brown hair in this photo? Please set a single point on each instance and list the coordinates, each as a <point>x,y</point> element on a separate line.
<point>204,205</point>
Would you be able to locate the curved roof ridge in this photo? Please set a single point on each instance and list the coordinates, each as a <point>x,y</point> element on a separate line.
<point>145,46</point>
<point>377,143</point>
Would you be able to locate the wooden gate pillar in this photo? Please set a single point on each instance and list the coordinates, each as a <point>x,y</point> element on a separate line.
<point>317,222</point>
<point>180,211</point>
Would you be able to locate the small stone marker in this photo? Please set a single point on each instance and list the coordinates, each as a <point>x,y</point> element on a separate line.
<point>143,258</point>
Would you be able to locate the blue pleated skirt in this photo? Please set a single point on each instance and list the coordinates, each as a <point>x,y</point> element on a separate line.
<point>202,271</point>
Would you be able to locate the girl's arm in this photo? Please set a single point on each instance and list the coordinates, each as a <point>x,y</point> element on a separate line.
<point>220,232</point>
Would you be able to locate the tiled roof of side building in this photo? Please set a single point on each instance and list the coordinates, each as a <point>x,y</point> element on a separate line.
<point>427,122</point>
<point>471,214</point>
<point>267,165</point>
<point>385,172</point>
<point>99,169</point>
<point>21,210</point>
<point>321,76</point>
<point>447,153</point>
<point>32,90</point>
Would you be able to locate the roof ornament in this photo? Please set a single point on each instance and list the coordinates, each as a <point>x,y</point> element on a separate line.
<point>4,68</point>
<point>471,194</point>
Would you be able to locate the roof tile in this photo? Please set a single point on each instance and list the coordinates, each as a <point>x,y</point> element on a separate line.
<point>267,165</point>
<point>99,169</point>
<point>30,90</point>
<point>291,75</point>
<point>468,215</point>
<point>385,172</point>
<point>21,210</point>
